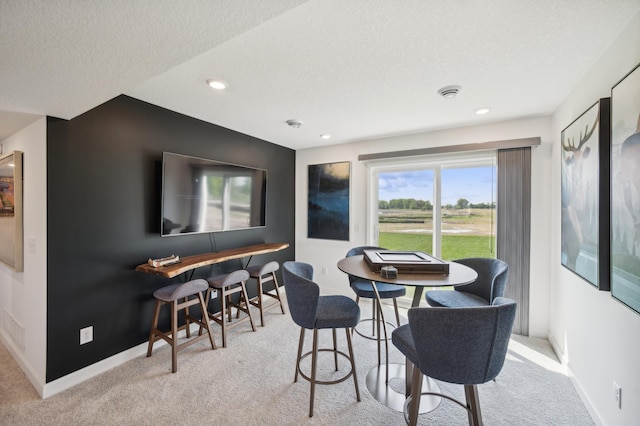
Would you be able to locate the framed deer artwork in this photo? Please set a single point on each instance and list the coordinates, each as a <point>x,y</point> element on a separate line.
<point>585,193</point>
<point>625,190</point>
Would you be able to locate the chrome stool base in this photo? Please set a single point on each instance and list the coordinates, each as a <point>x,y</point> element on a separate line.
<point>383,392</point>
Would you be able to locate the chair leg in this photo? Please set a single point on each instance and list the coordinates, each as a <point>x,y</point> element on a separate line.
<point>408,376</point>
<point>229,305</point>
<point>314,363</point>
<point>416,389</point>
<point>260,305</point>
<point>277,288</point>
<point>223,313</point>
<point>300,345</point>
<point>246,303</point>
<point>205,320</point>
<point>473,405</point>
<point>154,326</point>
<point>186,318</point>
<point>174,337</point>
<point>395,307</point>
<point>353,363</point>
<point>335,348</point>
<point>375,318</point>
<point>382,323</point>
<point>376,321</point>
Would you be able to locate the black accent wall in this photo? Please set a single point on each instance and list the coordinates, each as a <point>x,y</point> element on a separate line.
<point>103,219</point>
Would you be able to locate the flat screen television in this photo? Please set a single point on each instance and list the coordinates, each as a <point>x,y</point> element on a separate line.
<point>201,195</point>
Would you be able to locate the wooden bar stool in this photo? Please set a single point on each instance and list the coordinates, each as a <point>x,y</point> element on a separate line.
<point>228,284</point>
<point>172,295</point>
<point>264,274</point>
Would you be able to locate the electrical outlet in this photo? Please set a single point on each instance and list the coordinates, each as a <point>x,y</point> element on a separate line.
<point>86,335</point>
<point>617,395</point>
<point>214,294</point>
<point>324,270</point>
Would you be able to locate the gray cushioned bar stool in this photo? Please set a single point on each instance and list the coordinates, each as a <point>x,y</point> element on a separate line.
<point>264,274</point>
<point>226,285</point>
<point>465,346</point>
<point>311,311</point>
<point>490,284</point>
<point>172,295</point>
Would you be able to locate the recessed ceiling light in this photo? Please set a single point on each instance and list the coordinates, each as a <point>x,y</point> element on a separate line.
<point>449,92</point>
<point>217,84</point>
<point>325,136</point>
<point>482,111</point>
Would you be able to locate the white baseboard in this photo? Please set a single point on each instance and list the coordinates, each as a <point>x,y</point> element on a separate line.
<point>107,364</point>
<point>46,390</point>
<point>558,350</point>
<point>79,376</point>
<point>24,364</point>
<point>595,415</point>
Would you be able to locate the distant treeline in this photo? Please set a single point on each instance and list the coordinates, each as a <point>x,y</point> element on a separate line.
<point>413,204</point>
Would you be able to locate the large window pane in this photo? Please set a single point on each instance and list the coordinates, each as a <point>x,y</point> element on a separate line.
<point>463,201</point>
<point>405,210</point>
<point>468,223</point>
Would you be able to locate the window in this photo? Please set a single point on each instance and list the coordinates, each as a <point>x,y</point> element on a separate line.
<point>441,204</point>
<point>512,218</point>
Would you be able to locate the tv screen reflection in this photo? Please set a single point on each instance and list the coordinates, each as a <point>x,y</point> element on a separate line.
<point>200,195</point>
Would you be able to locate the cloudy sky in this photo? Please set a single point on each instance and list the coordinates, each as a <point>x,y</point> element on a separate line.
<point>473,183</point>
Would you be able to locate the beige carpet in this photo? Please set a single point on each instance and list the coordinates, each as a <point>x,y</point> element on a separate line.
<point>251,383</point>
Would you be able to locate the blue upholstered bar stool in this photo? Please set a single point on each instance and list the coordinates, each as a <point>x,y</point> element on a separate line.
<point>465,346</point>
<point>264,274</point>
<point>363,288</point>
<point>311,311</point>
<point>226,285</point>
<point>490,284</point>
<point>172,295</point>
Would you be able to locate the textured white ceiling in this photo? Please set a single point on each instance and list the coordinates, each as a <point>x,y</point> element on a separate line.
<point>356,69</point>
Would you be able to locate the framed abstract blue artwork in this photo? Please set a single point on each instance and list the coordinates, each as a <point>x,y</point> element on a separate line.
<point>328,201</point>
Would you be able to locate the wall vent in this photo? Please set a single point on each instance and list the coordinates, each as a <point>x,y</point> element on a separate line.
<point>449,92</point>
<point>15,330</point>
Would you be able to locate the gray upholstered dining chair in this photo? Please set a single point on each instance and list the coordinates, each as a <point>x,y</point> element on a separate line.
<point>465,346</point>
<point>491,283</point>
<point>311,311</point>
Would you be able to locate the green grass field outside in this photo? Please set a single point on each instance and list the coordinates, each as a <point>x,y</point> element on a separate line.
<point>453,246</point>
<point>466,233</point>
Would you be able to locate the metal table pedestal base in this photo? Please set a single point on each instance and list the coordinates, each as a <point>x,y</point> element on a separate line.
<point>383,392</point>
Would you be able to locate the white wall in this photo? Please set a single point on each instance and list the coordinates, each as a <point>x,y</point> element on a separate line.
<point>324,254</point>
<point>597,336</point>
<point>23,295</point>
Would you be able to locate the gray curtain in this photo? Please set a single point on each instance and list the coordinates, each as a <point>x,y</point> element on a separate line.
<point>514,227</point>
